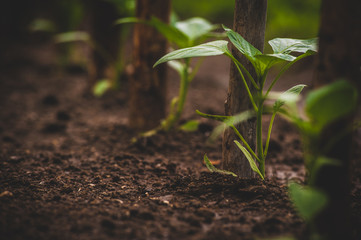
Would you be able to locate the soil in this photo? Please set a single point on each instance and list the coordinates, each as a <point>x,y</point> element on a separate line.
<point>68,168</point>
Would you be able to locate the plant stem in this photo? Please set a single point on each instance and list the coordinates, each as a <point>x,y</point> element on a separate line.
<point>183,89</point>
<point>195,69</point>
<point>259,137</point>
<point>269,135</point>
<point>247,89</point>
<point>284,69</point>
<point>237,63</point>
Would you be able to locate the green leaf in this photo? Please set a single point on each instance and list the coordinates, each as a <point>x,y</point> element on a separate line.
<point>195,28</point>
<point>287,45</point>
<point>261,62</point>
<point>308,201</point>
<point>177,66</point>
<point>101,87</point>
<point>241,117</point>
<point>291,95</point>
<point>129,20</point>
<point>242,45</point>
<point>331,102</point>
<point>252,163</point>
<point>207,49</point>
<point>264,62</point>
<point>228,121</point>
<point>318,164</point>
<point>212,168</point>
<point>72,37</point>
<point>190,126</point>
<point>170,32</point>
<point>247,49</point>
<point>214,117</point>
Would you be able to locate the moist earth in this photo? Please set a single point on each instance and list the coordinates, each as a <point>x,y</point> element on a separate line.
<point>70,170</point>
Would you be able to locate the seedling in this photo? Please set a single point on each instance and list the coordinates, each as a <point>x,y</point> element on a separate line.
<point>65,34</point>
<point>322,108</point>
<point>181,34</point>
<point>102,85</point>
<point>262,63</point>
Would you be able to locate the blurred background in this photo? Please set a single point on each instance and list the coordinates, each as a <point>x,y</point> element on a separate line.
<point>297,18</point>
<point>107,53</point>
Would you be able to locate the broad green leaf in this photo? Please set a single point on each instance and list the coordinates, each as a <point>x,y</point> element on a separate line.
<point>195,28</point>
<point>101,87</point>
<point>212,168</point>
<point>190,126</point>
<point>291,95</point>
<point>266,58</point>
<point>287,45</point>
<point>207,49</point>
<point>242,45</point>
<point>72,37</point>
<point>252,163</point>
<point>308,201</point>
<point>261,62</point>
<point>331,102</point>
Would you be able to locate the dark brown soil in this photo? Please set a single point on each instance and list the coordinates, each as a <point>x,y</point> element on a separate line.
<point>68,169</point>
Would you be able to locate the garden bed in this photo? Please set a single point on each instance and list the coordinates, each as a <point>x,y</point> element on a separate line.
<point>68,168</point>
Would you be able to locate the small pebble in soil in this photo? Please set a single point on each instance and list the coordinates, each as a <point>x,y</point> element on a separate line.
<point>6,194</point>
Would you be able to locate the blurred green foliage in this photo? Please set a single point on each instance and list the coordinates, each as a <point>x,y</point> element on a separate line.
<point>214,10</point>
<point>296,18</point>
<point>125,7</point>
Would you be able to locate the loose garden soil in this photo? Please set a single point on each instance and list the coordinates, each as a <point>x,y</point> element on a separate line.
<point>68,168</point>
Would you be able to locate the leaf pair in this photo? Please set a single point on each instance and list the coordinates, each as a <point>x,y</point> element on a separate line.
<point>282,48</point>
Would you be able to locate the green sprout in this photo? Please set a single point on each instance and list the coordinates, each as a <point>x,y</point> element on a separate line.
<point>180,34</point>
<point>102,85</point>
<point>65,34</point>
<point>262,63</point>
<point>323,107</point>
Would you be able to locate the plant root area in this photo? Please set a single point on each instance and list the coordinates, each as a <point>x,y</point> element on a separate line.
<point>69,170</point>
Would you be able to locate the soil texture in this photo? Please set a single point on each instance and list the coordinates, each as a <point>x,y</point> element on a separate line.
<point>69,170</point>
